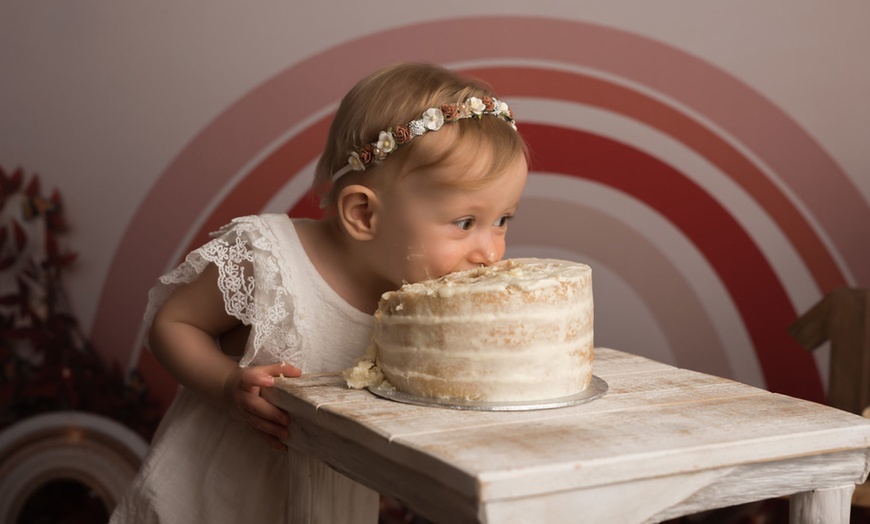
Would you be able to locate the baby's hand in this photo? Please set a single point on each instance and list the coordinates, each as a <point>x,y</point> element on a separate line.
<point>242,392</point>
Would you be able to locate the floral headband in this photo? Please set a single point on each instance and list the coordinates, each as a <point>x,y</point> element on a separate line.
<point>431,120</point>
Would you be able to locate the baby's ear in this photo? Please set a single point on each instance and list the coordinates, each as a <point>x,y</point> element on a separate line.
<point>357,207</point>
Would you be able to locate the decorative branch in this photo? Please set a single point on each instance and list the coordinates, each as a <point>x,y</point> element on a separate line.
<point>46,362</point>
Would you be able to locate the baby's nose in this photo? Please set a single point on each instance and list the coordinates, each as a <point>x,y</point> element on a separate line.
<point>486,251</point>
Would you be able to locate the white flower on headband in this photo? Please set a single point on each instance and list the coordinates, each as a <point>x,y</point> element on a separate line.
<point>433,119</point>
<point>386,143</point>
<point>476,105</point>
<point>416,127</point>
<point>355,163</point>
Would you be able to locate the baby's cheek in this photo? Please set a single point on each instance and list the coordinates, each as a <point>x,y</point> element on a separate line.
<point>416,267</point>
<point>500,247</point>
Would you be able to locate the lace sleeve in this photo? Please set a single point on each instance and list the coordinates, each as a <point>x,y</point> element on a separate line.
<point>252,286</point>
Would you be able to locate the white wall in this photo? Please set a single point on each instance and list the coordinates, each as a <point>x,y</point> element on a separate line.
<point>98,98</point>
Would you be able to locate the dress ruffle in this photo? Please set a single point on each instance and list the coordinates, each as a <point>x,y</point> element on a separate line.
<point>258,299</point>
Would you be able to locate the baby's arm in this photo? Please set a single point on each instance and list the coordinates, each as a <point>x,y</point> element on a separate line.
<point>183,337</point>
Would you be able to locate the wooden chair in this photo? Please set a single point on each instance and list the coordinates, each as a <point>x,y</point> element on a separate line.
<point>843,317</point>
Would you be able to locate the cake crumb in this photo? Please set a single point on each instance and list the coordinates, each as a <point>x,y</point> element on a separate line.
<point>365,372</point>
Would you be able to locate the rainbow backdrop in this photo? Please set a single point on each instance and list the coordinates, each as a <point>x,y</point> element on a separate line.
<point>711,215</point>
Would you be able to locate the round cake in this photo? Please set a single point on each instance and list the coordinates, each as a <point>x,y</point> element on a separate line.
<point>517,331</point>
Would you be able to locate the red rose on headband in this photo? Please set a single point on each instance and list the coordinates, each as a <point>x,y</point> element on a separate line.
<point>365,154</point>
<point>402,134</point>
<point>449,111</point>
<point>487,101</point>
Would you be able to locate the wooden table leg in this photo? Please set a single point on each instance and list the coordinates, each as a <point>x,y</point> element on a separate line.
<point>319,494</point>
<point>822,506</point>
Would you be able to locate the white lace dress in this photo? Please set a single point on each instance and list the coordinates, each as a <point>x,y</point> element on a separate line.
<point>203,465</point>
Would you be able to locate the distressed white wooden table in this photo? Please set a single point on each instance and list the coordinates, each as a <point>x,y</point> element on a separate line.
<point>663,442</point>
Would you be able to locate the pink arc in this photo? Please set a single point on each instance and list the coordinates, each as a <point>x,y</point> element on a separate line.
<point>224,147</point>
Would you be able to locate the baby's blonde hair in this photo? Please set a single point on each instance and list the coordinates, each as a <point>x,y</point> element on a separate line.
<point>394,96</point>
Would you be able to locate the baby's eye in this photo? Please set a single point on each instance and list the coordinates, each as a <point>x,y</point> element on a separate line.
<point>465,224</point>
<point>503,221</point>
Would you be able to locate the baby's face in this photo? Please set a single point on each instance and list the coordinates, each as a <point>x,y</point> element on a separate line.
<point>430,228</point>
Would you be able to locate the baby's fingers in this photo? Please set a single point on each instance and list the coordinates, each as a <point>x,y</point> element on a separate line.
<point>256,407</point>
<point>273,442</point>
<point>270,428</point>
<point>255,377</point>
<point>272,433</point>
<point>264,376</point>
<point>282,370</point>
<point>268,419</point>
